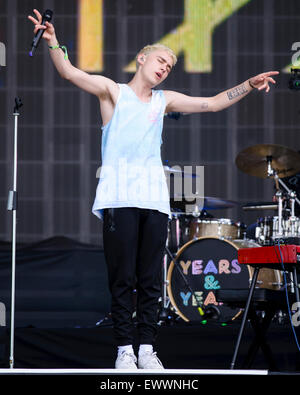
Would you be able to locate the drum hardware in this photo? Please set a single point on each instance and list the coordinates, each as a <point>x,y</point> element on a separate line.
<point>260,206</point>
<point>166,312</point>
<point>178,227</point>
<point>279,195</point>
<point>194,221</point>
<point>165,301</point>
<point>275,284</point>
<point>166,309</point>
<point>274,161</point>
<point>207,203</point>
<point>163,314</point>
<point>174,170</point>
<point>178,230</point>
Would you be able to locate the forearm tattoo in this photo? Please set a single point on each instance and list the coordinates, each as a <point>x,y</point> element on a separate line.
<point>238,91</point>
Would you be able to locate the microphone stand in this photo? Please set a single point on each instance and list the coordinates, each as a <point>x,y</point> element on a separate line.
<point>12,206</point>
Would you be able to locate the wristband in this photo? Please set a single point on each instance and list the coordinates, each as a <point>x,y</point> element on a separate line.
<point>253,87</point>
<point>63,47</point>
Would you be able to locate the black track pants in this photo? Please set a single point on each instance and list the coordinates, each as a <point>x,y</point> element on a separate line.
<point>134,240</point>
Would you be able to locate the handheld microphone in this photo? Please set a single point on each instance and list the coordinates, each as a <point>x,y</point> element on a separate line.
<point>47,16</point>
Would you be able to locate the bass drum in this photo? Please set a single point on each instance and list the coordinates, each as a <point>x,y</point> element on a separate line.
<point>206,264</point>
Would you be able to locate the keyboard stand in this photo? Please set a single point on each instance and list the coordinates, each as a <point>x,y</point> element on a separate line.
<point>245,315</point>
<point>261,328</point>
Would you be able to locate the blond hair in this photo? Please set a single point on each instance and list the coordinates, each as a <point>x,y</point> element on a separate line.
<point>154,47</point>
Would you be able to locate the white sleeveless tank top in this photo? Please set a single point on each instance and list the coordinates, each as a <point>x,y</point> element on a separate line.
<point>132,174</point>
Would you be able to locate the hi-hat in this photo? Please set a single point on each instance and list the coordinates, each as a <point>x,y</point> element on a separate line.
<point>253,160</point>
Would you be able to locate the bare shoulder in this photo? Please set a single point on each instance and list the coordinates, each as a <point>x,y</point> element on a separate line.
<point>108,88</point>
<point>169,96</point>
<point>172,99</point>
<point>104,88</point>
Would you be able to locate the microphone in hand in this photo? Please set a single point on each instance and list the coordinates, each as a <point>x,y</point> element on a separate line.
<point>47,16</point>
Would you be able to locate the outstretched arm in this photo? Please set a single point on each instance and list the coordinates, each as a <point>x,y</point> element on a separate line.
<point>95,84</point>
<point>187,104</point>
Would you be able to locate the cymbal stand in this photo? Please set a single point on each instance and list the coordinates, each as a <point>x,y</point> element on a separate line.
<point>178,231</point>
<point>279,198</point>
<point>291,193</point>
<point>293,199</point>
<point>273,173</point>
<point>165,301</point>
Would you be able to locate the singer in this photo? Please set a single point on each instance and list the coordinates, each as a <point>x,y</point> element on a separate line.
<point>134,212</point>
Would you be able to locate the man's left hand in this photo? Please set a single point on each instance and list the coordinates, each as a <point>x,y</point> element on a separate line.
<point>261,81</point>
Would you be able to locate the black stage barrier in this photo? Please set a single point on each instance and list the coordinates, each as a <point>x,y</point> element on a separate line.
<point>59,283</point>
<point>61,319</point>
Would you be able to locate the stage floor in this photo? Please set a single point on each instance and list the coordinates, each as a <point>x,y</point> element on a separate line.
<point>131,372</point>
<point>182,347</point>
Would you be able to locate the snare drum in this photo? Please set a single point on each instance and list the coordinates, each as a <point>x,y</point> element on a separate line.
<point>222,228</point>
<point>208,264</point>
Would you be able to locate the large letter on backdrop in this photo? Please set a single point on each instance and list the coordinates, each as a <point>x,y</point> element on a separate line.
<point>90,35</point>
<point>192,38</point>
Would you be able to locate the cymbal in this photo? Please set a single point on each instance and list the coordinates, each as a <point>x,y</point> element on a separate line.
<point>253,160</point>
<point>209,203</point>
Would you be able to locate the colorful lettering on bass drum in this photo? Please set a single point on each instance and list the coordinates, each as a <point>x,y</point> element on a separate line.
<point>222,266</point>
<point>207,264</point>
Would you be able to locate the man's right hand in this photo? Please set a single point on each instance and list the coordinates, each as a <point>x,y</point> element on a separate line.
<point>49,33</point>
<point>104,88</point>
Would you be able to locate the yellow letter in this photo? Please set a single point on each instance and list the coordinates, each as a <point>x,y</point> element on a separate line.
<point>193,37</point>
<point>90,35</point>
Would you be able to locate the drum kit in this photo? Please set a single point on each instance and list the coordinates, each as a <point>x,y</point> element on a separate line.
<point>201,251</point>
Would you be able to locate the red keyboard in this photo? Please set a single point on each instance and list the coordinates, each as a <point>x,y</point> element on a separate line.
<point>269,255</point>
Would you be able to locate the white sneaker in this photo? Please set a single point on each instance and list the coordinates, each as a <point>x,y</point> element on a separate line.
<point>126,360</point>
<point>149,360</point>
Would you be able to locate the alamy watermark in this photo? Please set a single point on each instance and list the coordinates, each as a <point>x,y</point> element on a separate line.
<point>123,181</point>
<point>296,314</point>
<point>296,55</point>
<point>2,54</point>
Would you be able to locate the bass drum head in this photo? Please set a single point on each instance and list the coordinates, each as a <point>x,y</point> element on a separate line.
<point>207,264</point>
